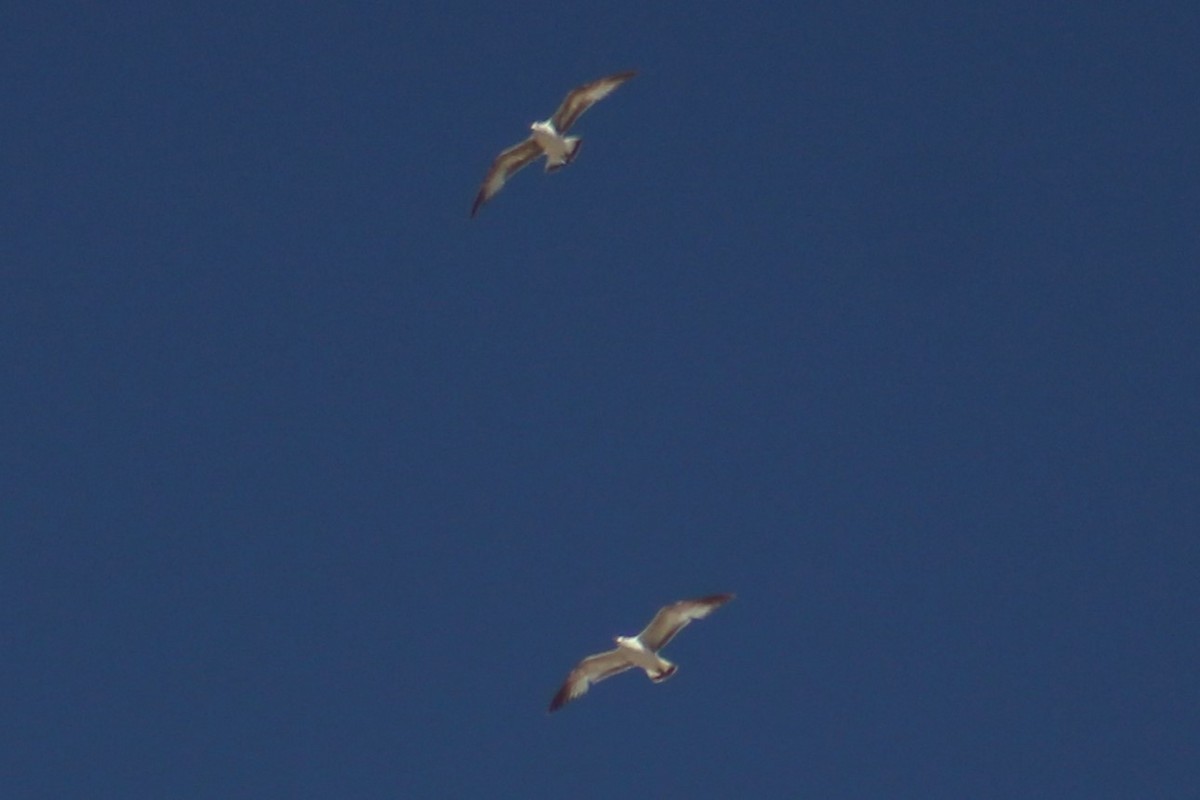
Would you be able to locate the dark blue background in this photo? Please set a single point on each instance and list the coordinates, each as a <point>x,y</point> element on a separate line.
<point>883,316</point>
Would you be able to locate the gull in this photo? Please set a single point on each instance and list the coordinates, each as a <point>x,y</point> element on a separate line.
<point>549,137</point>
<point>638,651</point>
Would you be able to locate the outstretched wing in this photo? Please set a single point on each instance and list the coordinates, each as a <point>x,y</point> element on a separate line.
<point>671,619</point>
<point>581,99</point>
<point>592,669</point>
<point>508,162</point>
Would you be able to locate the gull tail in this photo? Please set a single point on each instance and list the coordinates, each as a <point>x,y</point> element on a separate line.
<point>660,675</point>
<point>573,145</point>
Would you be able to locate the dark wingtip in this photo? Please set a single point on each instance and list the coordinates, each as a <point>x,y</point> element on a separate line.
<point>561,697</point>
<point>718,599</point>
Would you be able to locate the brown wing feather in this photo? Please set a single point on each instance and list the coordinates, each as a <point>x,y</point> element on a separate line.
<point>671,619</point>
<point>592,669</point>
<point>582,98</point>
<point>508,162</point>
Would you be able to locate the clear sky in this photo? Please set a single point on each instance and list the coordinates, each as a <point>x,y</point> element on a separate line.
<point>884,316</point>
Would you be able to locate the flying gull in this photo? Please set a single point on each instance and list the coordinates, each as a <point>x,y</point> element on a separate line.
<point>549,138</point>
<point>638,651</point>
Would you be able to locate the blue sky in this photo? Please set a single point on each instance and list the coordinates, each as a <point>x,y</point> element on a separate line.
<point>885,318</point>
